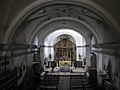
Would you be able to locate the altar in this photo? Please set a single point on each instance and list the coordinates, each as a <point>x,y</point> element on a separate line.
<point>64,63</point>
<point>65,66</point>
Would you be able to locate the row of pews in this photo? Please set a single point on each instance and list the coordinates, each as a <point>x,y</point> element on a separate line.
<point>8,80</point>
<point>49,82</point>
<point>78,82</point>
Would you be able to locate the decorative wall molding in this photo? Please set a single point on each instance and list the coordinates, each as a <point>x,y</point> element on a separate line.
<point>64,10</point>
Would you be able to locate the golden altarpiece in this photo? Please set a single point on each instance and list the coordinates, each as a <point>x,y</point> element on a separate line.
<point>65,51</point>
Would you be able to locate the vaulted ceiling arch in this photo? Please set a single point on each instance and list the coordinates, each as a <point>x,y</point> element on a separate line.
<point>82,10</point>
<point>63,23</point>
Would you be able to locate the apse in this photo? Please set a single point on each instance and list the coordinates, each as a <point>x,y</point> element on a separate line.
<point>76,37</point>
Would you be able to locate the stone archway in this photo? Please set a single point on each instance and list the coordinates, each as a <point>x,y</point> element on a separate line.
<point>85,6</point>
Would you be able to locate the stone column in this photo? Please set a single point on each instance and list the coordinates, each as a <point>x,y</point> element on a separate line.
<point>41,53</point>
<point>100,62</point>
<point>88,51</point>
<point>41,50</point>
<point>88,55</point>
<point>29,60</point>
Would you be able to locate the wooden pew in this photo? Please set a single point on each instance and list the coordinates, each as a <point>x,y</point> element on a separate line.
<point>49,82</point>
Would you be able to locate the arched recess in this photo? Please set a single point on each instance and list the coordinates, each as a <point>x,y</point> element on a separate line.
<point>78,39</point>
<point>63,23</point>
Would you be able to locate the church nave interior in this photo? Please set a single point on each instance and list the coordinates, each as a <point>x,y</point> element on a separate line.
<point>59,45</point>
